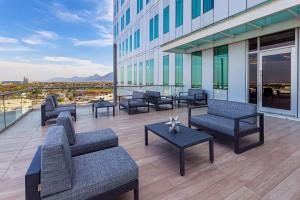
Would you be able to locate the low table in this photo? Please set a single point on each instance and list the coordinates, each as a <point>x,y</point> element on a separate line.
<point>103,104</point>
<point>186,137</point>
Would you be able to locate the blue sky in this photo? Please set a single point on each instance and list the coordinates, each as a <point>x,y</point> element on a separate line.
<point>42,39</point>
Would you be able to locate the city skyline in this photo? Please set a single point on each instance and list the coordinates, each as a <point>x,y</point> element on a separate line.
<point>42,40</point>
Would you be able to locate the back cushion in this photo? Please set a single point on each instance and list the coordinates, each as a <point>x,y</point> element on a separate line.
<point>54,100</point>
<point>138,95</point>
<point>49,104</point>
<point>153,94</point>
<point>56,170</point>
<point>192,92</point>
<point>232,109</point>
<point>64,119</point>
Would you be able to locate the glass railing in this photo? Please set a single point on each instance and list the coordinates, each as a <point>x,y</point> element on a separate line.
<point>14,105</point>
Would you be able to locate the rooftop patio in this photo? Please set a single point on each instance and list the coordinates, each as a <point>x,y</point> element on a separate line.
<point>271,171</point>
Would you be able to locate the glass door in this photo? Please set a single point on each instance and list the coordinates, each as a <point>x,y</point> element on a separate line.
<point>278,81</point>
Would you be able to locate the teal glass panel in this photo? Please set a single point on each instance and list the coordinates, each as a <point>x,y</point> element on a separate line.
<point>178,69</point>
<point>196,70</point>
<point>126,45</point>
<point>138,38</point>
<point>128,16</point>
<point>166,19</point>
<point>166,70</point>
<point>208,5</point>
<point>196,8</point>
<point>129,74</point>
<point>147,72</point>
<point>151,70</point>
<point>221,67</point>
<point>130,43</point>
<point>151,29</point>
<point>141,73</point>
<point>135,74</point>
<point>179,13</point>
<point>156,31</point>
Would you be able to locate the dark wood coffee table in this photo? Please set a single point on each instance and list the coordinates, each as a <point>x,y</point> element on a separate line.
<point>103,104</point>
<point>186,137</point>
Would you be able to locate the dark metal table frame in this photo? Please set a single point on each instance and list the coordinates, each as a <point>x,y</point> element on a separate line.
<point>106,104</point>
<point>182,148</point>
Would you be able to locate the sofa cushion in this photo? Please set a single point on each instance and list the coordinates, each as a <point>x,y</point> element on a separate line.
<point>138,95</point>
<point>99,172</point>
<point>221,124</point>
<point>232,109</point>
<point>50,106</point>
<point>64,119</point>
<point>94,141</point>
<point>187,98</point>
<point>56,162</point>
<point>193,92</point>
<point>133,103</point>
<point>56,111</point>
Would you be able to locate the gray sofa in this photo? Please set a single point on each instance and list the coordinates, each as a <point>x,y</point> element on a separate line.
<point>49,110</point>
<point>87,142</point>
<point>192,96</point>
<point>137,100</point>
<point>233,120</point>
<point>156,99</point>
<point>54,174</point>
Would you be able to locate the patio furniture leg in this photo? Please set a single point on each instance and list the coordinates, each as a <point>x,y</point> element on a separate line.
<point>113,110</point>
<point>136,193</point>
<point>146,136</point>
<point>211,151</point>
<point>96,114</point>
<point>181,160</point>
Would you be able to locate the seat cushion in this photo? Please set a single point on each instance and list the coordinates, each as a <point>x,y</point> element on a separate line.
<point>133,103</point>
<point>232,109</point>
<point>99,172</point>
<point>56,111</point>
<point>221,124</point>
<point>64,119</point>
<point>94,141</point>
<point>164,101</point>
<point>56,162</point>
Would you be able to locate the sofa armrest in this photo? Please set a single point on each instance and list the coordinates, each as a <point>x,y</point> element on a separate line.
<point>238,119</point>
<point>190,108</point>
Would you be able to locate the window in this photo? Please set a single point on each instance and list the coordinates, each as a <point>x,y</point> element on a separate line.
<point>150,72</point>
<point>284,38</point>
<point>141,73</point>
<point>166,19</point>
<point>178,69</point>
<point>122,2</point>
<point>252,78</point>
<point>123,48</point>
<point>130,43</point>
<point>120,50</point>
<point>166,70</point>
<point>122,23</point>
<point>137,38</point>
<point>196,8</point>
<point>129,74</point>
<point>147,1</point>
<point>156,26</point>
<point>122,75</point>
<point>197,70</point>
<point>179,13</point>
<point>128,16</point>
<point>221,67</point>
<point>139,6</point>
<point>208,5</point>
<point>151,29</point>
<point>135,74</point>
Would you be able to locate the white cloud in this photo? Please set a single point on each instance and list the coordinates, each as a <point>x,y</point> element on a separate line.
<point>94,43</point>
<point>69,60</point>
<point>40,37</point>
<point>8,40</point>
<point>40,71</point>
<point>15,49</point>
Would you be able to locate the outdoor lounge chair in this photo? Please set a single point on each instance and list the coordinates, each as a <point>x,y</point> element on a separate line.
<point>137,100</point>
<point>82,143</point>
<point>192,96</point>
<point>233,120</point>
<point>156,99</point>
<point>50,111</point>
<point>54,174</point>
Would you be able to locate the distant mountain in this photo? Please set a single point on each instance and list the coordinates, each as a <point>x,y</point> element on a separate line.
<point>93,78</point>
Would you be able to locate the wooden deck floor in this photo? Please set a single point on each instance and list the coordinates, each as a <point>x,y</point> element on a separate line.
<point>271,171</point>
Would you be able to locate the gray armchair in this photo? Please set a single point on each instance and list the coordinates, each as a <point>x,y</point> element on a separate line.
<point>87,142</point>
<point>137,100</point>
<point>156,99</point>
<point>49,110</point>
<point>192,96</point>
<point>54,174</point>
